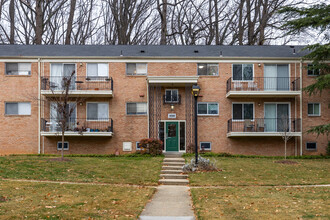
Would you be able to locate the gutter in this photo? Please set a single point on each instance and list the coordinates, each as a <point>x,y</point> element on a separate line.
<point>39,107</point>
<point>301,108</point>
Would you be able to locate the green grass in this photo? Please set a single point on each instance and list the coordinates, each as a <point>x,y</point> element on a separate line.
<point>263,171</point>
<point>262,203</point>
<point>67,201</point>
<point>115,170</point>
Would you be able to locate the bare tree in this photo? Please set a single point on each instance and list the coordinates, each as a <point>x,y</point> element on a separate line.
<point>70,22</point>
<point>285,131</point>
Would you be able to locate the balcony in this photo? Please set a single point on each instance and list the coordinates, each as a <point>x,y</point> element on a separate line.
<point>264,87</point>
<point>80,86</point>
<point>264,127</point>
<point>77,127</point>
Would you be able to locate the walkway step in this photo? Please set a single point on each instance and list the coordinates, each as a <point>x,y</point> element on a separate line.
<point>173,163</point>
<point>173,176</point>
<point>171,171</point>
<point>173,182</point>
<point>173,156</point>
<point>174,160</point>
<point>172,168</point>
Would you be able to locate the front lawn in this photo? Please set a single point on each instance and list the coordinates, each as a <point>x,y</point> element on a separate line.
<point>262,203</point>
<point>19,200</point>
<point>263,171</point>
<point>115,170</point>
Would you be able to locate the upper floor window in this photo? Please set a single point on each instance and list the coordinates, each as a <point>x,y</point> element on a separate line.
<point>18,108</point>
<point>98,111</point>
<point>208,108</point>
<point>208,69</point>
<point>243,72</point>
<point>136,108</point>
<point>171,96</point>
<point>311,71</point>
<point>61,70</point>
<point>242,111</point>
<point>314,109</point>
<point>23,69</point>
<point>136,68</point>
<point>97,70</point>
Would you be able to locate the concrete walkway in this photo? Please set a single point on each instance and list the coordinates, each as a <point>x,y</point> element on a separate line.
<point>172,200</point>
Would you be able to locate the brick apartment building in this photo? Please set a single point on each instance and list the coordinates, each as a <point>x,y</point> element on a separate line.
<point>249,95</point>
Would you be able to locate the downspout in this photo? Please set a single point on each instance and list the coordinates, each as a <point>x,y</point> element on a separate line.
<point>295,113</point>
<point>148,113</point>
<point>301,108</point>
<point>39,108</point>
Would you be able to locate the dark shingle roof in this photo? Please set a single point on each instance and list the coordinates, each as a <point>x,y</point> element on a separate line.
<point>149,51</point>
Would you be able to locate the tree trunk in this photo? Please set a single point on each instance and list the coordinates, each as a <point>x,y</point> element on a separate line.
<point>163,17</point>
<point>70,21</point>
<point>62,152</point>
<point>39,22</point>
<point>285,149</point>
<point>12,21</point>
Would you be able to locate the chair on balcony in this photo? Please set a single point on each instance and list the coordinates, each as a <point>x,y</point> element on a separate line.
<point>252,86</point>
<point>237,86</point>
<point>248,125</point>
<point>260,125</point>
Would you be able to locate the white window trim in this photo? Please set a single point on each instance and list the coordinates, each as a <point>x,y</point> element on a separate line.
<point>18,114</point>
<point>309,64</point>
<point>206,68</point>
<point>136,114</point>
<point>311,143</point>
<point>92,80</point>
<point>60,142</point>
<point>232,72</point>
<point>314,115</point>
<point>136,145</point>
<point>145,74</point>
<point>208,108</point>
<point>232,111</point>
<point>18,74</point>
<point>200,145</point>
<point>177,91</point>
<point>97,103</point>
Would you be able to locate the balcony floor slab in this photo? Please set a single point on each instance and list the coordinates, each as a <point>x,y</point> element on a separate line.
<point>76,134</point>
<point>261,134</point>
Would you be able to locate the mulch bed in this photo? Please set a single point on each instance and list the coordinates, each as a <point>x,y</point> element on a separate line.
<point>286,162</point>
<point>59,159</point>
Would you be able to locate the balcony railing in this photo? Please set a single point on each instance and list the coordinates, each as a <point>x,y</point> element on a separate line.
<point>265,125</point>
<point>56,83</point>
<point>264,84</point>
<point>79,125</point>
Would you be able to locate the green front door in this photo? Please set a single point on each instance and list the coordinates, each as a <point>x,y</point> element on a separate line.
<point>172,136</point>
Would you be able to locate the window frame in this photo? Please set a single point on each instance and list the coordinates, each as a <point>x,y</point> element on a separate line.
<point>232,111</point>
<point>208,142</point>
<point>30,72</point>
<point>313,70</point>
<point>217,64</point>
<point>60,142</point>
<point>96,103</point>
<point>177,92</point>
<point>136,114</point>
<point>232,72</point>
<point>309,142</point>
<point>313,103</point>
<point>102,78</point>
<point>207,108</point>
<point>128,74</point>
<point>18,109</point>
<point>137,147</point>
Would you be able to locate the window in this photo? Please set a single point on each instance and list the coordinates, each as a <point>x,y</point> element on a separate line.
<point>127,146</point>
<point>137,146</point>
<point>314,109</point>
<point>208,108</point>
<point>242,71</point>
<point>208,69</point>
<point>59,145</point>
<point>205,145</point>
<point>242,111</point>
<point>98,111</point>
<point>311,71</point>
<point>311,146</point>
<point>136,108</point>
<point>23,69</point>
<point>171,96</point>
<point>18,108</point>
<point>97,71</point>
<point>136,69</point>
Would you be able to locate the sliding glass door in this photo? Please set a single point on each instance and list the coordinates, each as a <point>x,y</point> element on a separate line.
<point>55,117</point>
<point>277,117</point>
<point>59,73</point>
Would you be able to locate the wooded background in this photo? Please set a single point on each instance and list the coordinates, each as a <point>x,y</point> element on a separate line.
<point>176,22</point>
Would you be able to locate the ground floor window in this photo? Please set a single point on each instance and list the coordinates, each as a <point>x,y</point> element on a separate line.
<point>242,111</point>
<point>311,146</point>
<point>59,145</point>
<point>137,145</point>
<point>205,145</point>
